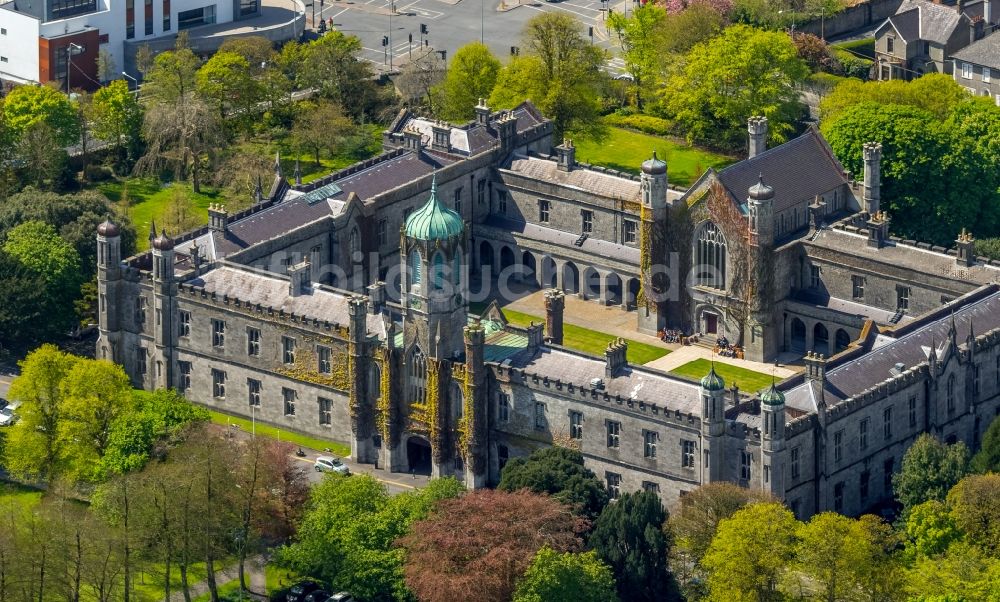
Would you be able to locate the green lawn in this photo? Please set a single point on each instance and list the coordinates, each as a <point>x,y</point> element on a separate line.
<point>148,200</point>
<point>625,150</point>
<point>148,584</point>
<point>588,341</point>
<point>746,380</point>
<point>272,432</point>
<point>228,592</point>
<point>21,498</point>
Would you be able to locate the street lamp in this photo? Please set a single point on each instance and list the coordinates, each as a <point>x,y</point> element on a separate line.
<point>134,81</point>
<point>72,49</point>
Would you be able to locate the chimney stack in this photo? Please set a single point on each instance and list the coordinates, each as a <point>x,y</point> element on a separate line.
<point>299,275</point>
<point>441,140</point>
<point>482,113</point>
<point>878,229</point>
<point>757,128</point>
<point>815,367</point>
<point>218,219</point>
<point>555,302</point>
<point>535,336</point>
<point>412,140</point>
<point>566,155</point>
<point>615,357</point>
<point>966,249</point>
<point>376,293</point>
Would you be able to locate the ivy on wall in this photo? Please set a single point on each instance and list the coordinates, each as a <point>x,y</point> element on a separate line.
<point>466,425</point>
<point>306,366</point>
<point>384,415</point>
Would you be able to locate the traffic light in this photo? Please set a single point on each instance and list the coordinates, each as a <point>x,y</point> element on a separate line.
<point>423,28</point>
<point>591,31</point>
<point>411,37</point>
<point>514,51</point>
<point>385,40</point>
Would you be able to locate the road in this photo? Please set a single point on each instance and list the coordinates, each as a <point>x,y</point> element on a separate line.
<point>450,24</point>
<point>5,378</point>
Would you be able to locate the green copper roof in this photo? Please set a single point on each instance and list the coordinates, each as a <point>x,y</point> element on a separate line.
<point>772,397</point>
<point>434,221</point>
<point>712,381</point>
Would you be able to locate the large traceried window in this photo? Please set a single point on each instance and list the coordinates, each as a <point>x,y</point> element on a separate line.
<point>710,257</point>
<point>415,260</point>
<point>416,375</point>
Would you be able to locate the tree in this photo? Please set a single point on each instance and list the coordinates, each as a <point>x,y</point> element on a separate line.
<point>116,117</point>
<point>470,77</point>
<point>629,536</point>
<point>27,106</point>
<point>257,50</point>
<point>930,529</point>
<point>479,545</point>
<point>523,78</point>
<point>682,31</point>
<point>227,81</point>
<point>987,459</point>
<point>831,547</point>
<point>724,81</point>
<point>43,158</point>
<point>331,64</point>
<point>421,77</point>
<point>930,469</point>
<point>37,247</point>
<point>24,305</point>
<point>880,576</point>
<point>559,472</point>
<point>638,38</point>
<point>962,574</point>
<point>749,552</point>
<point>347,534</point>
<point>34,448</point>
<point>975,506</point>
<point>324,126</point>
<point>578,577</point>
<point>937,93</point>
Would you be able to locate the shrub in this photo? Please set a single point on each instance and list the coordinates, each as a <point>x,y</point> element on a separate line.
<point>852,65</point>
<point>988,247</point>
<point>648,124</point>
<point>97,173</point>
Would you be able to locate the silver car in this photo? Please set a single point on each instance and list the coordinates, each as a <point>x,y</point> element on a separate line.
<point>331,464</point>
<point>7,415</point>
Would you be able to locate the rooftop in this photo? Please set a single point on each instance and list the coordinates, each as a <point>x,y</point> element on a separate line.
<point>984,52</point>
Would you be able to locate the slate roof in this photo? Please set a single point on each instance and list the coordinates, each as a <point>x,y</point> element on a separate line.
<point>984,52</point>
<point>910,349</point>
<point>907,25</point>
<point>923,20</point>
<point>798,170</point>
<point>848,307</point>
<point>594,182</point>
<point>471,139</point>
<point>593,246</point>
<point>252,286</point>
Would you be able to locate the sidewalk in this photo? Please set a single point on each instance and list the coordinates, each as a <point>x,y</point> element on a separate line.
<point>254,570</point>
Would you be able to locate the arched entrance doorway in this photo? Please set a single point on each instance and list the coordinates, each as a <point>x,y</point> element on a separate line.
<point>797,337</point>
<point>530,268</point>
<point>821,339</point>
<point>486,256</point>
<point>841,341</point>
<point>571,278</point>
<point>591,283</point>
<point>548,275</point>
<point>418,455</point>
<point>613,284</point>
<point>633,292</point>
<point>506,258</point>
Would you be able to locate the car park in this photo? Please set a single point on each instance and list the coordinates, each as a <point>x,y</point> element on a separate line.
<point>7,415</point>
<point>331,464</point>
<point>299,591</point>
<point>341,597</point>
<point>317,596</point>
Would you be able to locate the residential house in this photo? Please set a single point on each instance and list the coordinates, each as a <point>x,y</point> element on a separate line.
<point>977,67</point>
<point>922,37</point>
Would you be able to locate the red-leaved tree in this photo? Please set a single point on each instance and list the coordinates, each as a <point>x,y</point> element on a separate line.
<point>476,547</point>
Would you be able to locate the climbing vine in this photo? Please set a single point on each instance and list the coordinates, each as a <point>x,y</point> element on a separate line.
<point>467,423</point>
<point>645,256</point>
<point>433,407</point>
<point>306,365</point>
<point>384,414</point>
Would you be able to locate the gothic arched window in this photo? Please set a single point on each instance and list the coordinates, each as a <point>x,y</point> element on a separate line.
<point>458,399</point>
<point>375,380</point>
<point>415,267</point>
<point>416,375</point>
<point>710,257</point>
<point>438,271</point>
<point>951,394</point>
<point>355,242</point>
<point>456,275</point>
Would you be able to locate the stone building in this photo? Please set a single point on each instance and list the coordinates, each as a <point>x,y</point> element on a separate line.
<point>341,309</point>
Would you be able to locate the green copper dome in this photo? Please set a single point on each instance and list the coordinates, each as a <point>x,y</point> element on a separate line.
<point>712,381</point>
<point>772,397</point>
<point>434,221</point>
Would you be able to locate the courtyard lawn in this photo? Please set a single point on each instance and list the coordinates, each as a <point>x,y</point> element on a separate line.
<point>149,199</point>
<point>625,150</point>
<point>264,430</point>
<point>590,341</point>
<point>747,380</point>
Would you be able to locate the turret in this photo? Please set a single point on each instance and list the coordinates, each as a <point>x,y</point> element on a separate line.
<point>108,284</point>
<point>555,303</point>
<point>713,425</point>
<point>164,302</point>
<point>772,405</point>
<point>163,258</point>
<point>760,204</point>
<point>873,176</point>
<point>475,411</point>
<point>757,130</point>
<point>361,400</point>
<point>653,182</point>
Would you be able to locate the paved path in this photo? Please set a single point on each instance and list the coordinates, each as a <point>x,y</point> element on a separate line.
<point>689,353</point>
<point>254,569</point>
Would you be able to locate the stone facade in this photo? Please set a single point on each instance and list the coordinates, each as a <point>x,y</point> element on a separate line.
<point>340,309</point>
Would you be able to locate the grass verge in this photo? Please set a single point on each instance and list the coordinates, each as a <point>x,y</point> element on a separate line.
<point>746,380</point>
<point>266,430</point>
<point>148,583</point>
<point>19,497</point>
<point>228,592</point>
<point>149,199</point>
<point>625,150</point>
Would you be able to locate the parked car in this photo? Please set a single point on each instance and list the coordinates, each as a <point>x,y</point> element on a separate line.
<point>341,597</point>
<point>7,415</point>
<point>331,464</point>
<point>317,596</point>
<point>299,591</point>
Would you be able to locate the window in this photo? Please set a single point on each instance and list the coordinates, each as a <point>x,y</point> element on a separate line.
<point>887,475</point>
<point>248,7</point>
<point>140,360</point>
<point>3,59</point>
<point>951,395</point>
<point>149,17</point>
<point>588,221</point>
<point>458,201</point>
<point>710,257</point>
<point>140,312</point>
<point>502,202</point>
<point>185,368</point>
<point>218,333</point>
<point>687,454</point>
<point>187,19</point>
<point>482,192</point>
<point>543,211</point>
<point>166,16</point>
<point>614,481</point>
<point>325,411</point>
<point>3,31</point>
<point>795,462</point>
<point>814,279</point>
<point>863,486</point>
<point>288,396</point>
<point>902,298</point>
<point>863,434</point>
<point>745,459</point>
<point>966,71</point>
<point>986,75</point>
<point>975,382</point>
<point>539,416</point>
<point>383,236</point>
<point>649,444</point>
<point>651,487</point>
<point>858,287</point>
<point>288,350</point>
<point>576,425</point>
<point>184,324</point>
<point>887,423</point>
<point>253,342</point>
<point>218,384</point>
<point>323,360</point>
<point>614,431</point>
<point>253,392</point>
<point>503,407</point>
<point>913,411</point>
<point>838,451</point>
<point>889,43</point>
<point>629,229</point>
<point>767,473</point>
<point>838,497</point>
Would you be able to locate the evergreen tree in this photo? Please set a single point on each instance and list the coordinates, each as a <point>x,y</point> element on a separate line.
<point>559,472</point>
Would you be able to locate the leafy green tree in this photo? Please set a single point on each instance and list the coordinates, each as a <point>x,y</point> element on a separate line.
<point>323,126</point>
<point>638,38</point>
<point>564,83</point>
<point>741,73</point>
<point>831,547</point>
<point>975,506</point>
<point>116,117</point>
<point>43,159</point>
<point>471,75</point>
<point>347,533</point>
<point>987,459</point>
<point>749,552</point>
<point>24,305</point>
<point>559,472</point>
<point>937,93</point>
<point>680,32</point>
<point>331,64</point>
<point>572,577</point>
<point>37,247</point>
<point>930,469</point>
<point>27,106</point>
<point>227,81</point>
<point>35,448</point>
<point>881,575</point>
<point>629,536</point>
<point>930,529</point>
<point>963,574</point>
